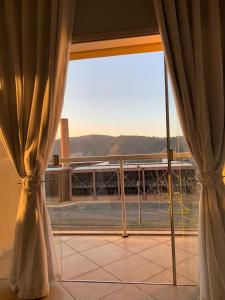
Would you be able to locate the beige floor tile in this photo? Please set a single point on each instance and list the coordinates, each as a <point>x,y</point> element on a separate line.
<point>112,238</point>
<point>129,292</point>
<point>5,264</point>
<point>63,237</point>
<point>133,268</point>
<point>84,291</point>
<point>56,292</point>
<point>167,277</point>
<point>165,292</point>
<point>86,242</point>
<point>76,265</point>
<point>189,269</point>
<point>161,238</point>
<point>136,243</point>
<point>92,291</point>
<point>161,254</point>
<point>106,254</point>
<point>99,275</point>
<point>62,250</point>
<point>187,243</point>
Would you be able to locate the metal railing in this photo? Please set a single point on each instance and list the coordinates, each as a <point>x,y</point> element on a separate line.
<point>150,156</point>
<point>138,157</point>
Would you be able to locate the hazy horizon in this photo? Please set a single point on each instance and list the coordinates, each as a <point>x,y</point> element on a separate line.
<point>130,135</point>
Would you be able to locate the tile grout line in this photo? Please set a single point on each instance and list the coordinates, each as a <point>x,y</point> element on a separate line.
<point>61,283</point>
<point>103,267</point>
<point>117,260</point>
<point>79,251</point>
<point>146,292</point>
<point>74,278</point>
<point>130,255</point>
<point>113,242</point>
<point>166,269</point>
<point>111,293</point>
<point>177,246</point>
<point>102,298</point>
<point>165,266</point>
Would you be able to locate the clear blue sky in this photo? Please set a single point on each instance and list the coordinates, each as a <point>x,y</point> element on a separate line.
<point>119,95</point>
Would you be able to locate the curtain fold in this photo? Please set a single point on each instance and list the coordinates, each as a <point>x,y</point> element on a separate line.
<point>34,52</point>
<point>193,35</point>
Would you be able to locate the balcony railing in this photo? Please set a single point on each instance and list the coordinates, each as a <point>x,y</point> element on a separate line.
<point>137,193</point>
<point>140,192</point>
<point>176,155</point>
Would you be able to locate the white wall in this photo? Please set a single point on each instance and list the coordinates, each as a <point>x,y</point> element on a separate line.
<point>9,196</point>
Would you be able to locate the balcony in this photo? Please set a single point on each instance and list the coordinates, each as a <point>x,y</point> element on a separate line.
<point>110,267</point>
<point>95,202</point>
<point>138,267</point>
<point>120,193</point>
<point>110,198</point>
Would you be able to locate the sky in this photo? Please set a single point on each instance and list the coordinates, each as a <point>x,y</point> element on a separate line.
<point>118,95</point>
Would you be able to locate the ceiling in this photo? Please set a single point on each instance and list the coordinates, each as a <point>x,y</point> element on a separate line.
<point>108,19</point>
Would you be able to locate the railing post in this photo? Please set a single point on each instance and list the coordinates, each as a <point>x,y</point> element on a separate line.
<point>60,186</point>
<point>70,185</point>
<point>94,185</point>
<point>122,198</point>
<point>139,196</point>
<point>143,182</point>
<point>118,183</point>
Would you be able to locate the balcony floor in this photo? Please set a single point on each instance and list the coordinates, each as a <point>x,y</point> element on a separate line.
<point>110,292</point>
<point>144,259</point>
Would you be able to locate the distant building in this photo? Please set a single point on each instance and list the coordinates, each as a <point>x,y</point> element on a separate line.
<point>102,179</point>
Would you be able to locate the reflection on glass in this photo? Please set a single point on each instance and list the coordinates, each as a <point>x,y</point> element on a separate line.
<point>186,191</point>
<point>86,196</point>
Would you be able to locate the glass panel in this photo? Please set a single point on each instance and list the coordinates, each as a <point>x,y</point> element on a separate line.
<point>147,208</point>
<point>186,191</point>
<point>53,197</point>
<point>83,198</point>
<point>147,196</point>
<point>114,107</point>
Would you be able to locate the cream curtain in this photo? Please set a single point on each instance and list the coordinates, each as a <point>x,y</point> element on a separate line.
<point>34,46</point>
<point>193,34</point>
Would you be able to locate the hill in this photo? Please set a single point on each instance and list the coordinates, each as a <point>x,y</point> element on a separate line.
<point>89,145</point>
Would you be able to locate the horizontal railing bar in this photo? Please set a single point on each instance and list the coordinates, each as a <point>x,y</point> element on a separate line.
<point>124,157</point>
<point>183,155</point>
<point>113,157</point>
<point>128,168</point>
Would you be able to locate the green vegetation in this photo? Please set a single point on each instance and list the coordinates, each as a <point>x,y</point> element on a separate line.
<point>89,145</point>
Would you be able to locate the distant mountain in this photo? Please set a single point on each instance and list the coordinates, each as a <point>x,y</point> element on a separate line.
<point>89,145</point>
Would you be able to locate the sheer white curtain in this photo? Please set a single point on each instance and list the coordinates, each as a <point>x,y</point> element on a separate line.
<point>193,34</point>
<point>34,50</point>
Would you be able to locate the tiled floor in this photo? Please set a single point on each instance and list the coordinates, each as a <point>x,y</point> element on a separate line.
<point>107,291</point>
<point>132,259</point>
<point>145,259</point>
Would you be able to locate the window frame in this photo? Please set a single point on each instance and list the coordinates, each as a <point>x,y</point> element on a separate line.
<point>112,47</point>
